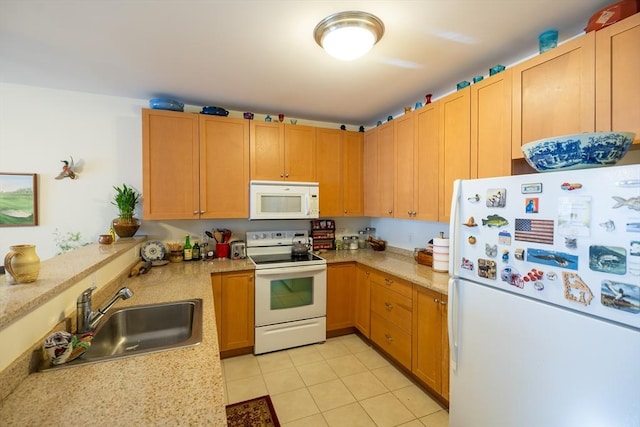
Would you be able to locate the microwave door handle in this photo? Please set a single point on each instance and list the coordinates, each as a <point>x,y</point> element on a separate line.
<point>307,203</point>
<point>281,271</point>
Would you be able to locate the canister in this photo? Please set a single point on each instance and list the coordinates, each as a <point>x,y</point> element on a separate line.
<point>441,253</point>
<point>353,243</point>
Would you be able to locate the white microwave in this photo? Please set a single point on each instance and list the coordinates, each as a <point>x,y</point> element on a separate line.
<point>283,200</point>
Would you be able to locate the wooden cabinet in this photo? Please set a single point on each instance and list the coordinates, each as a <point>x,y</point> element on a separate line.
<point>386,168</point>
<point>426,165</point>
<point>391,316</point>
<point>617,81</point>
<point>362,309</point>
<point>430,340</point>
<point>339,165</point>
<point>553,93</point>
<point>455,145</point>
<point>233,294</point>
<point>405,170</point>
<point>282,152</point>
<point>341,284</point>
<point>370,173</point>
<point>179,153</point>
<point>491,126</point>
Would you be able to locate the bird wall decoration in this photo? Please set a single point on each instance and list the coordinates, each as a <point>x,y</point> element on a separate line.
<point>68,170</point>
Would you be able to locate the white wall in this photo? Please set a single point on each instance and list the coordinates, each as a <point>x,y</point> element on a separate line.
<point>39,127</point>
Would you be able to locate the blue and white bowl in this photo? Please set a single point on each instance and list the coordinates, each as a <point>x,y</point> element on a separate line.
<point>579,151</point>
<point>166,104</point>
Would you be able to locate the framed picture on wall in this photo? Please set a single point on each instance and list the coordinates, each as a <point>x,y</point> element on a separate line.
<point>18,199</point>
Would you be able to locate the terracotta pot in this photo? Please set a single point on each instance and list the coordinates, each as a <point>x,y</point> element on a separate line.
<point>126,228</point>
<point>22,263</point>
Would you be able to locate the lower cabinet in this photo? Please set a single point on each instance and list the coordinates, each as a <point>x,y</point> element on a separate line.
<point>233,295</point>
<point>341,282</point>
<point>430,340</point>
<point>391,313</point>
<point>362,296</point>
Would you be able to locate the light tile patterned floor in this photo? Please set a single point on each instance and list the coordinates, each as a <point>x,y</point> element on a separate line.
<point>342,382</point>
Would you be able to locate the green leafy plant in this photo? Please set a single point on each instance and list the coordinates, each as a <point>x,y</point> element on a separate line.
<point>68,241</point>
<point>126,199</point>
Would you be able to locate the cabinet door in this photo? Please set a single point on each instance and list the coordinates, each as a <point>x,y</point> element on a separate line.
<point>329,166</point>
<point>427,337</point>
<point>362,315</point>
<point>491,126</point>
<point>224,167</point>
<point>299,153</point>
<point>352,160</point>
<point>341,280</point>
<point>455,144</point>
<point>426,167</point>
<point>216,285</point>
<point>553,93</point>
<point>237,307</point>
<point>266,150</point>
<point>444,388</point>
<point>404,155</point>
<point>386,168</point>
<point>371,176</point>
<point>169,165</point>
<point>617,82</point>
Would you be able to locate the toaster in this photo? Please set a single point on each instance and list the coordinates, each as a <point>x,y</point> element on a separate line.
<point>238,249</point>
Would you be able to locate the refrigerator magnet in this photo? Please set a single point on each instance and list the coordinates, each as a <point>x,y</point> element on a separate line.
<point>609,226</point>
<point>496,197</point>
<point>531,188</point>
<point>566,186</point>
<point>505,256</point>
<point>471,222</point>
<point>631,203</point>
<point>467,264</point>
<point>575,289</point>
<point>504,238</point>
<point>571,242</point>
<point>531,205</point>
<point>474,199</point>
<point>551,275</point>
<point>608,259</point>
<point>487,268</point>
<point>512,277</point>
<point>471,240</point>
<point>621,296</point>
<point>490,250</point>
<point>519,254</point>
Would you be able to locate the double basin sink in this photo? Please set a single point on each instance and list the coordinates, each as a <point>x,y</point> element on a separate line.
<point>143,329</point>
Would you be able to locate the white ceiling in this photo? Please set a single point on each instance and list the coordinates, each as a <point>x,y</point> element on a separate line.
<point>260,55</point>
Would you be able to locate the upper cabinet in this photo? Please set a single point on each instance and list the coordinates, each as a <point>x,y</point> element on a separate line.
<point>181,164</point>
<point>491,126</point>
<point>455,145</point>
<point>426,167</point>
<point>379,170</point>
<point>617,81</point>
<point>553,93</point>
<point>339,165</point>
<point>405,172</point>
<point>282,152</point>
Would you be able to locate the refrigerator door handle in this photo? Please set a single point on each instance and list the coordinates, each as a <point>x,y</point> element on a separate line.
<point>454,227</point>
<point>452,323</point>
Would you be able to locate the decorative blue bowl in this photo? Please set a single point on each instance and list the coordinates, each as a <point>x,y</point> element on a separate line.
<point>579,151</point>
<point>166,104</point>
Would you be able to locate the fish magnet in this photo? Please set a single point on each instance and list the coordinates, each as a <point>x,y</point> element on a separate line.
<point>519,254</point>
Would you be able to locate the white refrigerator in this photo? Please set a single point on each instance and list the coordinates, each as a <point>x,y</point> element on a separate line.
<point>544,300</point>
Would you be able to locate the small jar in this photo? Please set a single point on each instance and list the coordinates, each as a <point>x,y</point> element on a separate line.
<point>362,239</point>
<point>175,256</point>
<point>338,245</point>
<point>353,243</point>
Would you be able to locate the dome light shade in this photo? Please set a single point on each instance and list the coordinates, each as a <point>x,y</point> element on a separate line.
<point>348,35</point>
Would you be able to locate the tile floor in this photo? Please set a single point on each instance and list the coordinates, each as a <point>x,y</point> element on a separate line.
<point>342,382</point>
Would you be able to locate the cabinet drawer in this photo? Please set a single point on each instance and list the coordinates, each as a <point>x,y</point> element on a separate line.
<point>392,283</point>
<point>391,306</point>
<point>391,339</point>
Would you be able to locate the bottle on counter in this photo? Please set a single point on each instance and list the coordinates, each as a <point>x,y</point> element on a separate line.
<point>187,250</point>
<point>195,251</point>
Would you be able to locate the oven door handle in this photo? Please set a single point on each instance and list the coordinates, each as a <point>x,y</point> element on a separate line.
<point>288,270</point>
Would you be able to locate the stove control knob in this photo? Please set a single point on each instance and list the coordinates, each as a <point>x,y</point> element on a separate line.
<point>263,236</point>
<point>254,237</point>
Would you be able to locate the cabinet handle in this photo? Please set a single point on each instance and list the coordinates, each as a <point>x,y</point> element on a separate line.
<point>367,272</point>
<point>389,338</point>
<point>443,303</point>
<point>388,306</point>
<point>345,211</point>
<point>202,212</point>
<point>195,212</point>
<point>436,300</point>
<point>414,213</point>
<point>388,281</point>
<point>286,175</point>
<point>390,211</point>
<point>281,175</point>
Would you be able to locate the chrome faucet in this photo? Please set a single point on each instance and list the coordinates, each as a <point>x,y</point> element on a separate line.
<point>87,320</point>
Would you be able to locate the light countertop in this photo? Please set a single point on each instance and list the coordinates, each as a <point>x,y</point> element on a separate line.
<point>176,387</point>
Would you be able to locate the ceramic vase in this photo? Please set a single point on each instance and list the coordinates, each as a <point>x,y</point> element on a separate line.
<point>125,227</point>
<point>22,263</point>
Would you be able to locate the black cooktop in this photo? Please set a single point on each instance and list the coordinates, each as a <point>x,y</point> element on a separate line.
<point>281,258</point>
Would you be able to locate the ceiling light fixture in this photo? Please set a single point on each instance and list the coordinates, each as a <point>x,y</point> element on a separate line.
<point>348,35</point>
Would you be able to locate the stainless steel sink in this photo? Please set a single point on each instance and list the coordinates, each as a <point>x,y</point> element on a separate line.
<point>144,329</point>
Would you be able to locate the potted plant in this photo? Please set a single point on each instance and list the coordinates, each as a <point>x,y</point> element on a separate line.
<point>126,199</point>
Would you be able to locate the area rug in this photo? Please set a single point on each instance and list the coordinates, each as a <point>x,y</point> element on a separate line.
<point>256,412</point>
